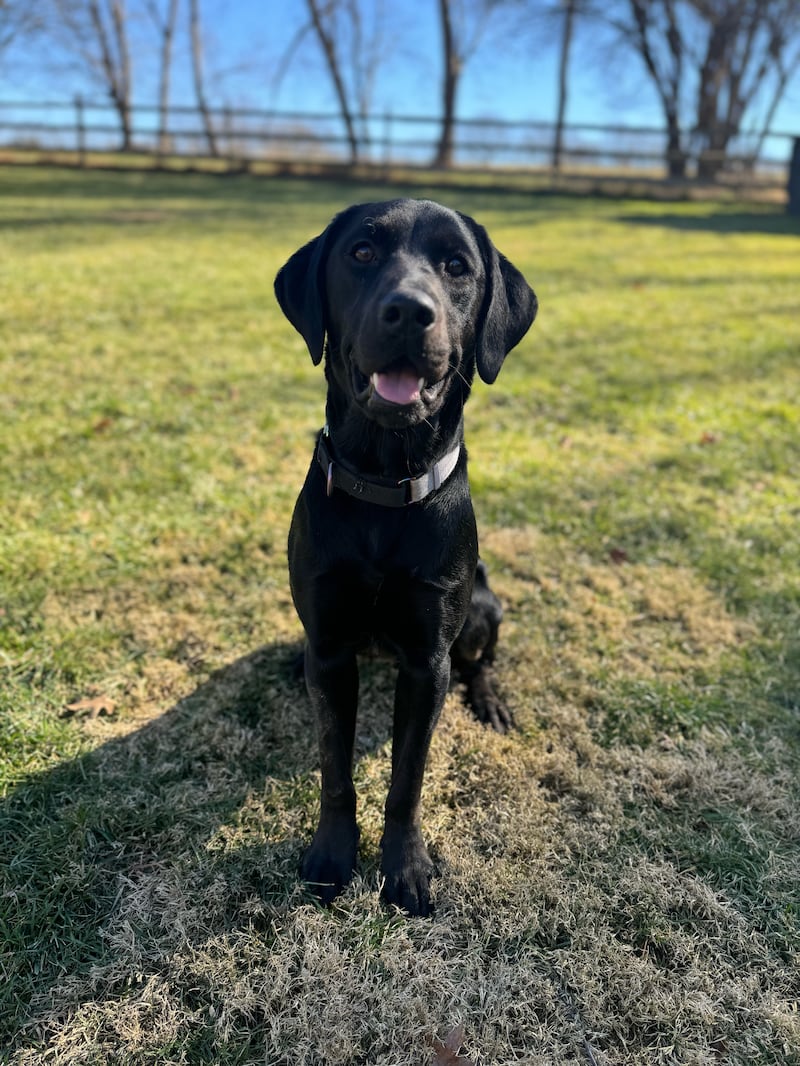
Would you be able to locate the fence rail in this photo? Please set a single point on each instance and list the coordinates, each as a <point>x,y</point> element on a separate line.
<point>248,135</point>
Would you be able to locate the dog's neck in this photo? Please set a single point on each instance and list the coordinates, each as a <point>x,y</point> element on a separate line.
<point>395,454</point>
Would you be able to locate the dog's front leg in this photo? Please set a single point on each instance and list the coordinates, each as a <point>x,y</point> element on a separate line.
<point>406,865</point>
<point>329,863</point>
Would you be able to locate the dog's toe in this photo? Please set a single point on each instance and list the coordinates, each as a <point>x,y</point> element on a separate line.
<point>487,706</point>
<point>493,714</point>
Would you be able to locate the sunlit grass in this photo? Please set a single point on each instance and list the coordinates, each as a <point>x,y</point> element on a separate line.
<point>621,873</point>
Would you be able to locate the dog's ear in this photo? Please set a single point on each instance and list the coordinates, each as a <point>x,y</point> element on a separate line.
<point>300,290</point>
<point>509,308</point>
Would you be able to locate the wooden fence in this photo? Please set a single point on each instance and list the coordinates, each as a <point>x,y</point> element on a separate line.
<point>83,128</point>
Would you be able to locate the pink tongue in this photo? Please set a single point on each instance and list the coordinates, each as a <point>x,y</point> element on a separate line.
<point>398,387</point>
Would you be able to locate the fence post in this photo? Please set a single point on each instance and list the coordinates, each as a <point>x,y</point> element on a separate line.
<point>227,128</point>
<point>387,138</point>
<point>80,126</point>
<point>794,179</point>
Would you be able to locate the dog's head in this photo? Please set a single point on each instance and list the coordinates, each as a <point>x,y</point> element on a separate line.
<point>411,297</point>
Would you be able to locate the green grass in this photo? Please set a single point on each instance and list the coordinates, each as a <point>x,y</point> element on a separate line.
<point>618,879</point>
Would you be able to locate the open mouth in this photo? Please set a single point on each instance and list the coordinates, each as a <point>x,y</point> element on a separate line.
<point>399,386</point>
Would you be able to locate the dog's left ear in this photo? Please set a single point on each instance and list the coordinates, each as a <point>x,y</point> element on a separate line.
<point>509,308</point>
<point>300,290</point>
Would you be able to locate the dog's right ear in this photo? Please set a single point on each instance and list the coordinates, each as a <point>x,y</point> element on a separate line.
<point>300,286</point>
<point>300,291</point>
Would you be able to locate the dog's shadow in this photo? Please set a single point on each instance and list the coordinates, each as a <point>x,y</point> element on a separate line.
<point>198,795</point>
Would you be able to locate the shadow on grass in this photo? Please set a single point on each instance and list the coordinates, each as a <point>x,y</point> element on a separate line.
<point>75,840</point>
<point>152,197</point>
<point>721,221</point>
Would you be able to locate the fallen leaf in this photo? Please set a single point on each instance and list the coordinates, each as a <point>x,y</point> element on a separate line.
<point>446,1052</point>
<point>90,707</point>
<point>720,1047</point>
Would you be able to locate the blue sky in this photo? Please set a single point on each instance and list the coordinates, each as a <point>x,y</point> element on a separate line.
<point>512,74</point>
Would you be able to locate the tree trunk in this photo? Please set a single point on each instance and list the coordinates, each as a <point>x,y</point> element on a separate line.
<point>667,84</point>
<point>716,80</point>
<point>118,16</point>
<point>452,72</point>
<point>329,48</point>
<point>563,72</point>
<point>197,69</point>
<point>116,71</point>
<point>167,34</point>
<point>676,156</point>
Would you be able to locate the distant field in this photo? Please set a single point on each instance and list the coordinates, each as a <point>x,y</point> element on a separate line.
<point>619,878</point>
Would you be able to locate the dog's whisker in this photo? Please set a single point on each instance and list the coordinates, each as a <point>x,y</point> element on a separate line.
<point>457,371</point>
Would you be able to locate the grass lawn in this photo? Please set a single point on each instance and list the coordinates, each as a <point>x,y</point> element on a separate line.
<point>620,878</point>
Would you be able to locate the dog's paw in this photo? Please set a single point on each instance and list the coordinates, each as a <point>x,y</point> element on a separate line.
<point>330,862</point>
<point>487,706</point>
<point>407,870</point>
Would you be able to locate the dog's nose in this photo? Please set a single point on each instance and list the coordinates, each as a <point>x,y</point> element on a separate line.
<point>405,311</point>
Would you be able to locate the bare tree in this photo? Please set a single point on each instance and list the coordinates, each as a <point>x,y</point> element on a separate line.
<point>352,46</point>
<point>453,62</point>
<point>656,34</point>
<point>462,24</point>
<point>710,62</point>
<point>198,76</point>
<point>786,63</point>
<point>554,21</point>
<point>165,24</point>
<point>366,48</point>
<point>96,31</point>
<point>747,41</point>
<point>17,18</point>
<point>321,20</point>
<point>570,10</point>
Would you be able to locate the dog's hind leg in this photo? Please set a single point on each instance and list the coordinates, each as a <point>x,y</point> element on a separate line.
<point>472,655</point>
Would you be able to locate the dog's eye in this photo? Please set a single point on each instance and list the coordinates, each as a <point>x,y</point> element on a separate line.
<point>363,252</point>
<point>455,266</point>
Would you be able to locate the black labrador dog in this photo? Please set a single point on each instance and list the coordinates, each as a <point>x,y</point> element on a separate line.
<point>412,298</point>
